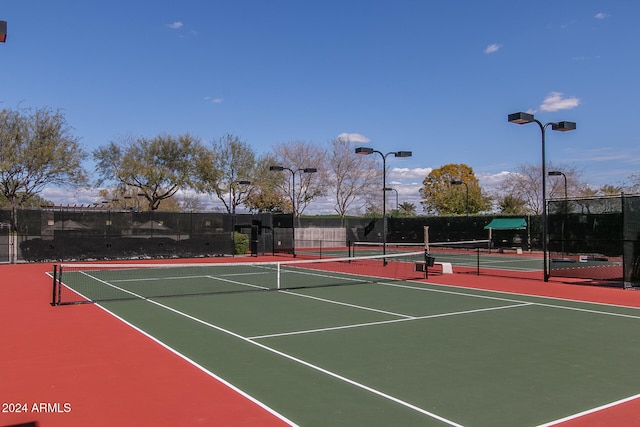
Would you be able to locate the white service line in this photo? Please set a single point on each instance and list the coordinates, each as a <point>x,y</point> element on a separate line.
<point>312,366</point>
<point>383,322</point>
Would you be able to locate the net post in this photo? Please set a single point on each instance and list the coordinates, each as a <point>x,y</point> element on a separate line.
<point>59,285</point>
<point>478,261</point>
<point>426,251</point>
<point>278,276</point>
<point>55,280</point>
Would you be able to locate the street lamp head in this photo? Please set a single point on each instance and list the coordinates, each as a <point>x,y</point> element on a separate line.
<point>456,182</point>
<point>276,168</point>
<point>243,182</point>
<point>364,150</point>
<point>309,170</point>
<point>520,118</point>
<point>563,126</point>
<point>403,154</point>
<point>555,173</point>
<point>3,31</point>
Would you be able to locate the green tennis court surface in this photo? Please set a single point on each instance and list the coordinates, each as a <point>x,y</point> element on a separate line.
<point>403,353</point>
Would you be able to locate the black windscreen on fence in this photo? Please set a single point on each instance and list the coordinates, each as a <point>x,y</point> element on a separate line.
<point>595,238</point>
<point>83,234</point>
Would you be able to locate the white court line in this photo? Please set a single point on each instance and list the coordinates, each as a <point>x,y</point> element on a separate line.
<point>590,411</point>
<point>360,307</point>
<point>104,282</point>
<point>383,322</point>
<point>284,355</point>
<point>202,368</point>
<point>310,365</point>
<point>561,307</point>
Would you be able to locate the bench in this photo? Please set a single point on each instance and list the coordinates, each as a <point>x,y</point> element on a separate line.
<point>506,249</point>
<point>445,266</point>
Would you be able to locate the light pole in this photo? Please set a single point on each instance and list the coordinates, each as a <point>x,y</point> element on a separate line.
<point>460,182</point>
<point>558,173</point>
<point>293,197</point>
<point>524,118</point>
<point>393,189</point>
<point>365,151</point>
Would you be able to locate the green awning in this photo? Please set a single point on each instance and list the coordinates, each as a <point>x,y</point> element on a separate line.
<point>506,224</point>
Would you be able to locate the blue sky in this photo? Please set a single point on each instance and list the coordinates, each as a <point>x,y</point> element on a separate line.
<point>435,77</point>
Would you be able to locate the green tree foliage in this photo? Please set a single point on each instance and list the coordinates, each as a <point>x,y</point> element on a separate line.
<point>442,197</point>
<point>155,167</point>
<point>407,209</point>
<point>512,205</point>
<point>264,193</point>
<point>35,201</point>
<point>235,161</point>
<point>37,148</point>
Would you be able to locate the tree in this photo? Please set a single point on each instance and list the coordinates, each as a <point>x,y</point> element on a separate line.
<point>442,197</point>
<point>298,155</point>
<point>512,205</point>
<point>235,161</point>
<point>525,184</point>
<point>264,194</point>
<point>407,209</point>
<point>155,167</point>
<point>611,190</point>
<point>37,148</point>
<point>635,183</point>
<point>349,175</point>
<point>122,199</point>
<point>34,202</point>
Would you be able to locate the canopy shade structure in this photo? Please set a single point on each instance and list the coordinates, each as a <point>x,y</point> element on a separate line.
<point>506,224</point>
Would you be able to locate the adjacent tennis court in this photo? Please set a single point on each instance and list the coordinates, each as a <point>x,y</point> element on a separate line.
<point>384,349</point>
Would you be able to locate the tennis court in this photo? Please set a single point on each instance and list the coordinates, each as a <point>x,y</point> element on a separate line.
<point>392,351</point>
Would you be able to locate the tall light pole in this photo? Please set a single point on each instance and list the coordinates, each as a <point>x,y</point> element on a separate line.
<point>524,118</point>
<point>365,151</point>
<point>293,197</point>
<point>393,189</point>
<point>460,182</point>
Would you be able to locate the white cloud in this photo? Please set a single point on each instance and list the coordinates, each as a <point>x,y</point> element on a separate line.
<point>492,48</point>
<point>64,197</point>
<point>555,102</point>
<point>601,15</point>
<point>354,137</point>
<point>175,26</point>
<point>491,181</point>
<point>409,174</point>
<point>213,100</point>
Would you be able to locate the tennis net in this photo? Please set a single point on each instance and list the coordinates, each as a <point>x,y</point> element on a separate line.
<point>446,248</point>
<point>376,248</point>
<point>77,283</point>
